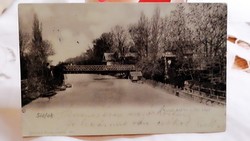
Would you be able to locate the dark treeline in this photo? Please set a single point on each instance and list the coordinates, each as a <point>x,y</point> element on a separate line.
<point>196,29</point>
<point>34,53</point>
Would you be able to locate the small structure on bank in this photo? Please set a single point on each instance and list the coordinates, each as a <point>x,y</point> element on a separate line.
<point>135,76</point>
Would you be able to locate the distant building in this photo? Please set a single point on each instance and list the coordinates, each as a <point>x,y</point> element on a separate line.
<point>109,59</point>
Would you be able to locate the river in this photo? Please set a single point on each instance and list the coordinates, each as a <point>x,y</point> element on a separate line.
<point>104,90</point>
<point>102,104</point>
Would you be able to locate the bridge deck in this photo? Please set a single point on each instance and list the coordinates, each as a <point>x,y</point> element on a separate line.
<point>98,68</point>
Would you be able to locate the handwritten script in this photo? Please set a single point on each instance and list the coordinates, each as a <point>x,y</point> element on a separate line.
<point>103,121</point>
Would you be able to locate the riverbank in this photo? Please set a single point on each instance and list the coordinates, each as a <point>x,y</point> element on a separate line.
<point>195,96</point>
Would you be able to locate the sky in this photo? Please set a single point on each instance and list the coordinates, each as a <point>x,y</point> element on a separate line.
<point>71,28</point>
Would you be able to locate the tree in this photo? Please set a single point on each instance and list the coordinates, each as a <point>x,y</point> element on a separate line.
<point>24,43</point>
<point>140,33</point>
<point>179,34</point>
<point>210,27</point>
<point>147,40</point>
<point>178,39</point>
<point>210,22</point>
<point>102,45</point>
<point>120,40</point>
<point>156,32</point>
<point>40,48</point>
<point>39,51</point>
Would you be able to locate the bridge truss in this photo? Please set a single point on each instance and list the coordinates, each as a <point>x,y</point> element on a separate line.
<point>103,69</point>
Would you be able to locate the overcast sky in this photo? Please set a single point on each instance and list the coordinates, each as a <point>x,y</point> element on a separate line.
<point>64,25</point>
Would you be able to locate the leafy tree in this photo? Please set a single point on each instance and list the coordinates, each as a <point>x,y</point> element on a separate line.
<point>210,27</point>
<point>140,34</point>
<point>24,43</point>
<point>179,34</point>
<point>156,32</point>
<point>209,22</point>
<point>39,51</point>
<point>120,41</point>
<point>102,45</point>
<point>178,39</point>
<point>147,40</point>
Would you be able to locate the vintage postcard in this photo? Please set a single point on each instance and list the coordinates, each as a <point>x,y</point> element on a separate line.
<point>108,69</point>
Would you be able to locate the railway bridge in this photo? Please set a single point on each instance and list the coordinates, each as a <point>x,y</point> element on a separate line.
<point>98,69</point>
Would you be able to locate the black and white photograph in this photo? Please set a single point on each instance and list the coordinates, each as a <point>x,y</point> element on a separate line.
<point>108,69</point>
